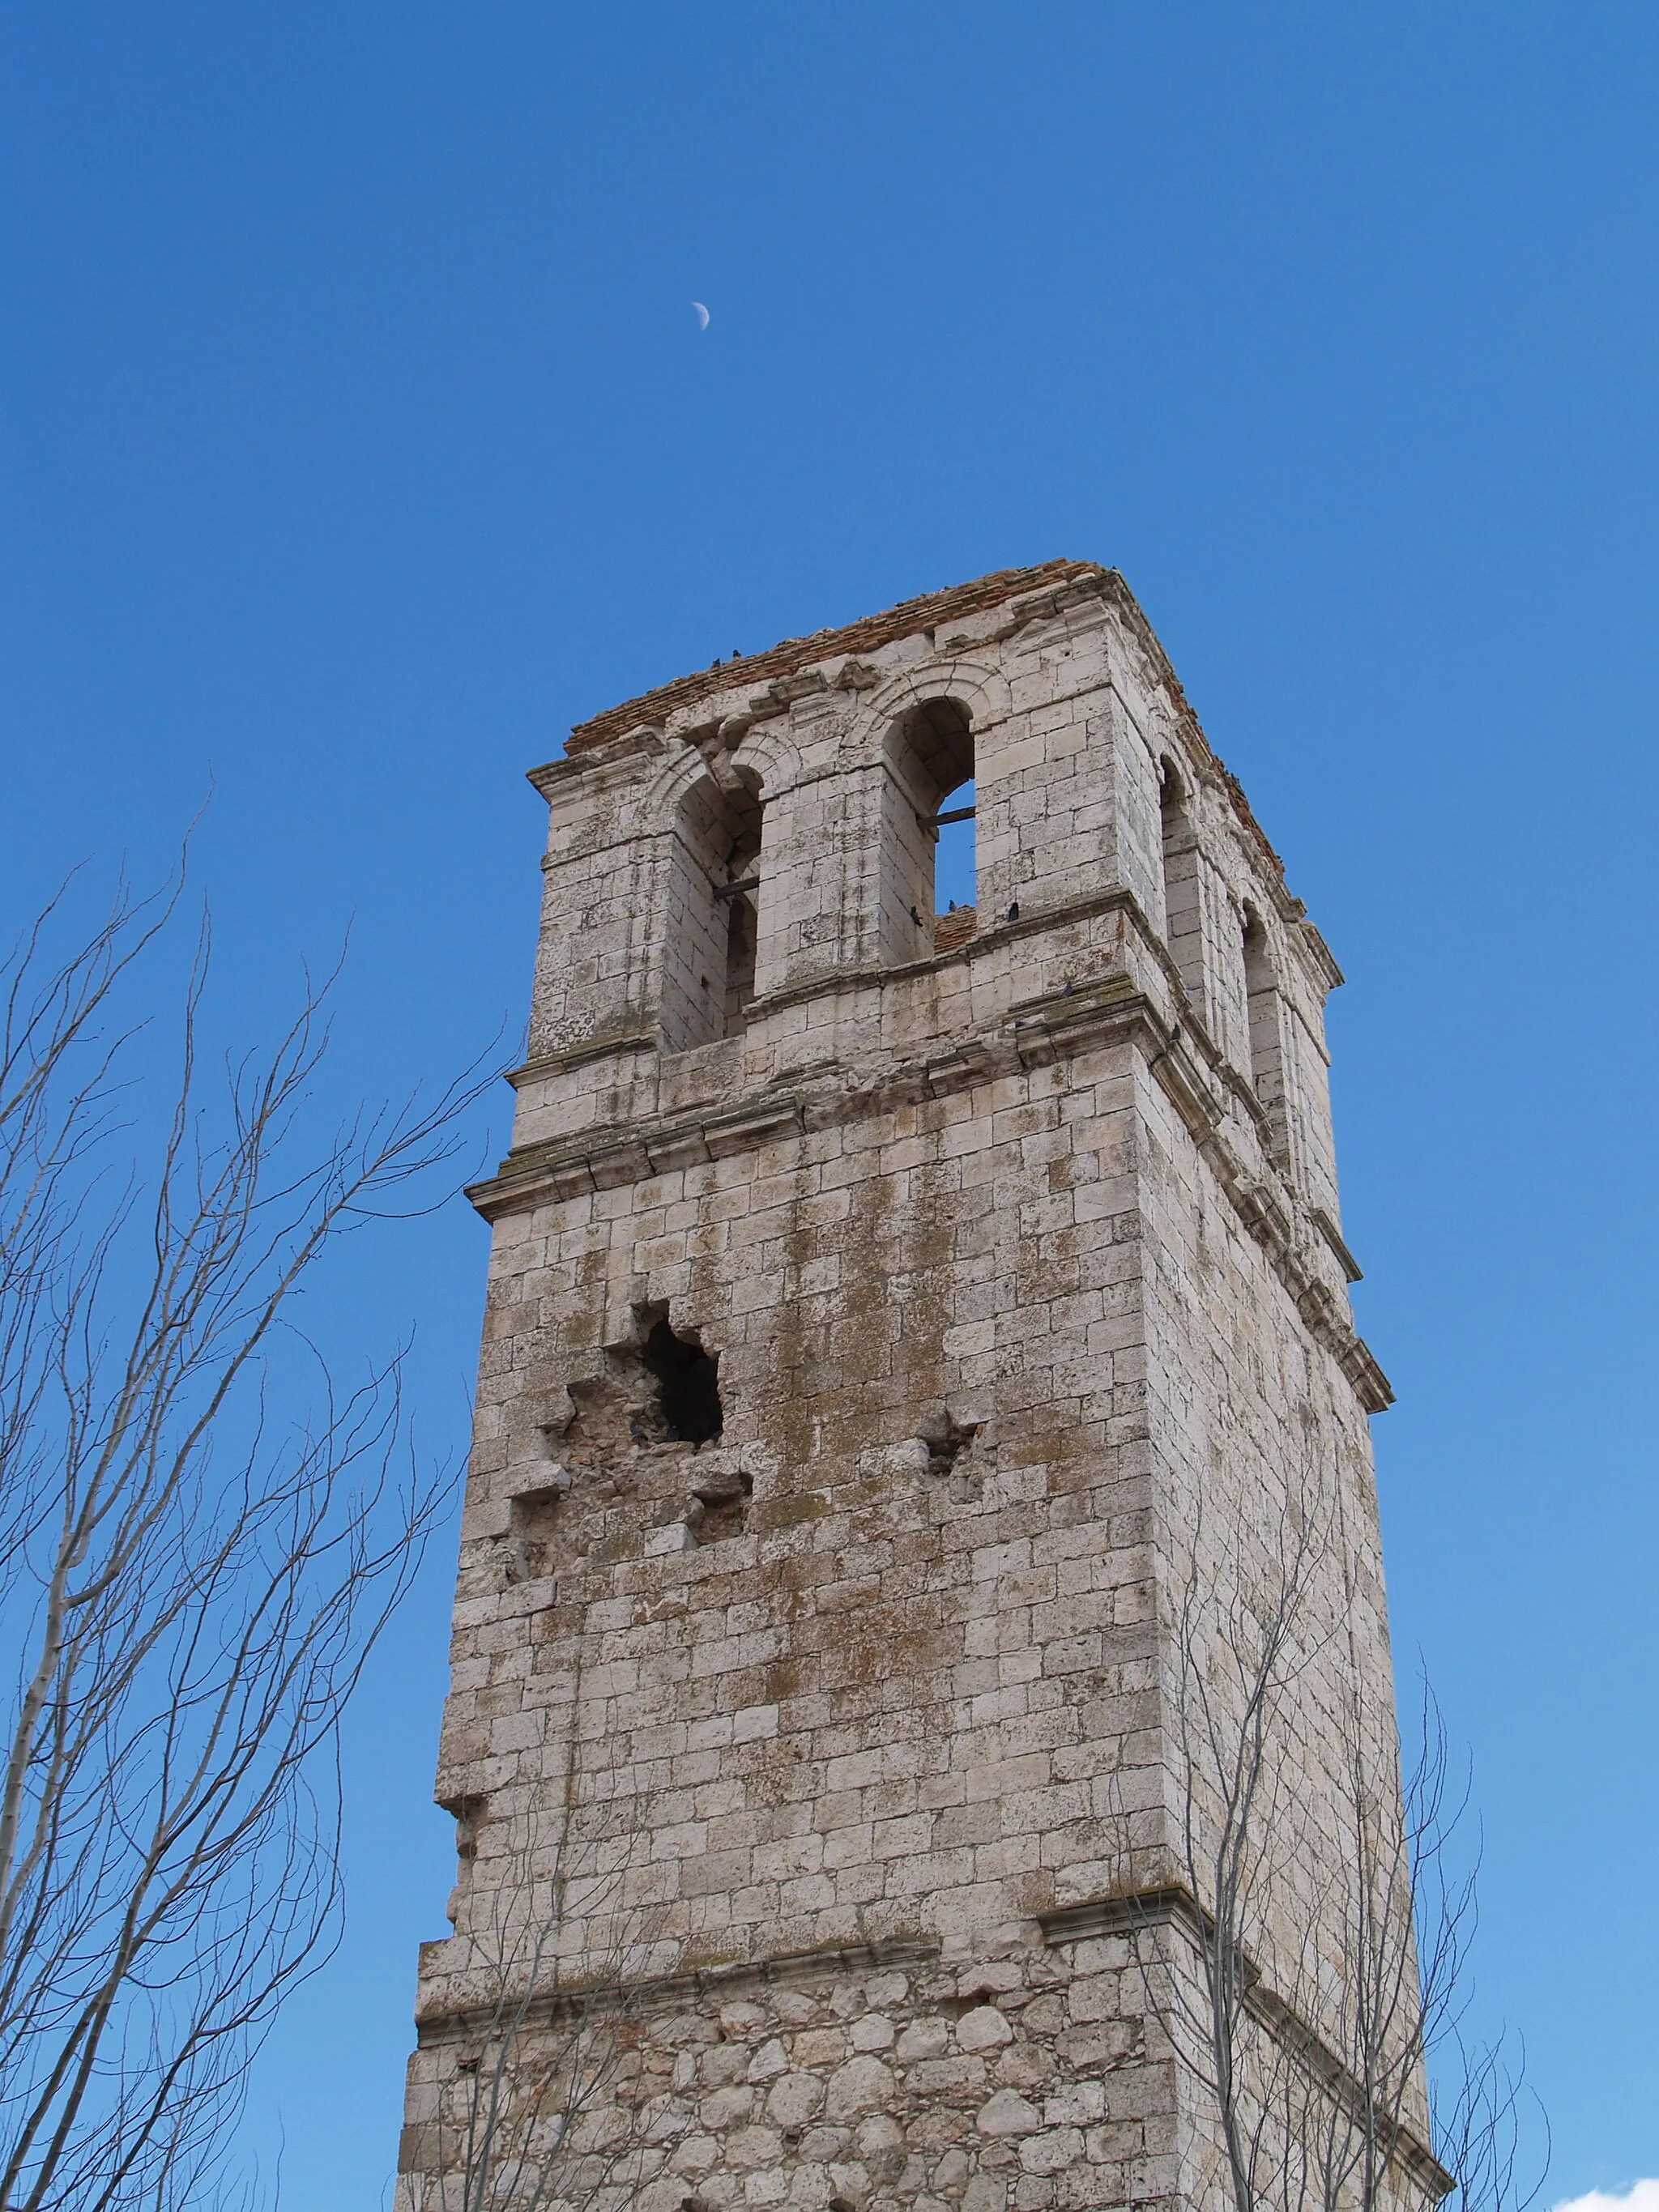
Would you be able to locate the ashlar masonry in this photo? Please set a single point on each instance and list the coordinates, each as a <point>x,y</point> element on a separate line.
<point>896,1324</point>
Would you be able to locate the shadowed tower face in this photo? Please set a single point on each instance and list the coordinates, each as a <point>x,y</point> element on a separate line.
<point>918,1362</point>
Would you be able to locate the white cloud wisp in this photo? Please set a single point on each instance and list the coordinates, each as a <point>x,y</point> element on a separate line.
<point>1640,2196</point>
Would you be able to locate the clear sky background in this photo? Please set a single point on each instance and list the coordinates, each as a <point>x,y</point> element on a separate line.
<point>359,437</point>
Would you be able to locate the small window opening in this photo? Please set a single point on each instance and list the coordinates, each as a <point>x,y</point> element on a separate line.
<point>955,871</point>
<point>687,1377</point>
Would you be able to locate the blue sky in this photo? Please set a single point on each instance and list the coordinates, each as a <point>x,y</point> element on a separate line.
<point>358,437</point>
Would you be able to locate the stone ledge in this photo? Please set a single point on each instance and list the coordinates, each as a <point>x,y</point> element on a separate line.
<point>560,1063</point>
<point>442,2024</point>
<point>1332,1235</point>
<point>1073,1020</point>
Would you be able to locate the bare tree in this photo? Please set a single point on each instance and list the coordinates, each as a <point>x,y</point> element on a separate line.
<point>191,1572</point>
<point>1308,1961</point>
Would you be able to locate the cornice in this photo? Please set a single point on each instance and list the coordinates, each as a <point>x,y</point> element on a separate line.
<point>560,1063</point>
<point>1034,1034</point>
<point>441,2022</point>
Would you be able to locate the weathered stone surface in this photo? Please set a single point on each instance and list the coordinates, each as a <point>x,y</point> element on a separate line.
<point>871,1308</point>
<point>983,2029</point>
<point>1008,2113</point>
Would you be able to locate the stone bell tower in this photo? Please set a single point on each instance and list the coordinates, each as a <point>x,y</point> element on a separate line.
<point>903,1330</point>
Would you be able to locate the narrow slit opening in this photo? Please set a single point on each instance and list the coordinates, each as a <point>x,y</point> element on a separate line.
<point>956,874</point>
<point>929,852</point>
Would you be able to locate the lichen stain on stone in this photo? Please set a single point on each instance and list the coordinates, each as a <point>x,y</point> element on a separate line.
<point>881,1696</point>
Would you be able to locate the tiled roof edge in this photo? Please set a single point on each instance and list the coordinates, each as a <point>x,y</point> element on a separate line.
<point>783,658</point>
<point>906,620</point>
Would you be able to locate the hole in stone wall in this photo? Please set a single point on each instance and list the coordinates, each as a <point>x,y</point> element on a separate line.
<point>533,1516</point>
<point>533,1512</point>
<point>468,1815</point>
<point>725,1503</point>
<point>956,875</point>
<point>946,1439</point>
<point>688,1383</point>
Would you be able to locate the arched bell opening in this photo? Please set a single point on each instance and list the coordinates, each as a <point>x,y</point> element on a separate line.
<point>740,894</point>
<point>713,920</point>
<point>929,860</point>
<point>1183,931</point>
<point>1264,1022</point>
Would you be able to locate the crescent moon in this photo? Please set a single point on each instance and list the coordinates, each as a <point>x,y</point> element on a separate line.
<point>702,314</point>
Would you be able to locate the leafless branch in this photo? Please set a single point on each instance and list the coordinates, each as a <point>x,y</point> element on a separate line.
<point>1316,1980</point>
<point>190,1580</point>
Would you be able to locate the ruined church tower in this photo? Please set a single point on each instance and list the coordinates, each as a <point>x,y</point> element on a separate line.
<point>915,1343</point>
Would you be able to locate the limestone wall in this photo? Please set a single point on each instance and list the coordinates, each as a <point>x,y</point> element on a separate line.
<point>802,1739</point>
